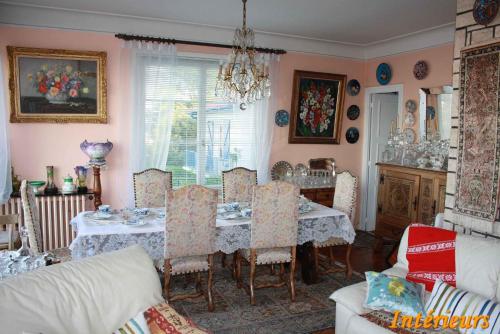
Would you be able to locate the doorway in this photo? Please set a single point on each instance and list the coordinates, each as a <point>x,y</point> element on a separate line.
<point>384,108</point>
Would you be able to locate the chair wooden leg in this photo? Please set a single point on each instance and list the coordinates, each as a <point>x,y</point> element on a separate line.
<point>223,260</point>
<point>292,274</point>
<point>316,260</point>
<point>348,261</point>
<point>282,272</point>
<point>252,276</point>
<point>167,270</point>
<point>198,281</point>
<point>209,283</point>
<point>239,283</point>
<point>273,271</point>
<point>331,257</point>
<point>233,272</point>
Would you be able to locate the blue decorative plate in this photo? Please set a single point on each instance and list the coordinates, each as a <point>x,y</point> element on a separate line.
<point>353,112</point>
<point>485,11</point>
<point>352,135</point>
<point>353,87</point>
<point>384,74</point>
<point>281,118</point>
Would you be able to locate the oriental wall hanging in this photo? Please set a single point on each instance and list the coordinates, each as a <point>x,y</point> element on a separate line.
<point>317,105</point>
<point>57,86</point>
<point>479,137</point>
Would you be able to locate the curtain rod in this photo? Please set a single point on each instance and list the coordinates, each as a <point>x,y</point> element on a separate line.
<point>127,37</point>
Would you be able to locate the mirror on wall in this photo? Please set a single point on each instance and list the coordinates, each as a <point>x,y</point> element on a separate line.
<point>435,112</point>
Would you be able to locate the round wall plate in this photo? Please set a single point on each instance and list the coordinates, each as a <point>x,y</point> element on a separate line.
<point>353,112</point>
<point>484,11</point>
<point>352,135</point>
<point>409,134</point>
<point>411,106</point>
<point>420,70</point>
<point>281,170</point>
<point>281,118</point>
<point>353,87</point>
<point>384,73</point>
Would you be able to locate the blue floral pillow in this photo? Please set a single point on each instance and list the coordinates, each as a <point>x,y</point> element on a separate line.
<point>391,293</point>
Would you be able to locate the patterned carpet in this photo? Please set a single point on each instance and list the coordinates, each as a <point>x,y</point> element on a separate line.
<point>274,313</point>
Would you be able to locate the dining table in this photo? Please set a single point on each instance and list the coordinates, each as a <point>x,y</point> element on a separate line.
<point>100,236</point>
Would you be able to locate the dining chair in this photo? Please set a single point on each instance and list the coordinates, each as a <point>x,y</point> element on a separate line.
<point>344,200</point>
<point>190,238</point>
<point>150,187</point>
<point>237,186</point>
<point>275,213</point>
<point>9,235</point>
<point>33,225</point>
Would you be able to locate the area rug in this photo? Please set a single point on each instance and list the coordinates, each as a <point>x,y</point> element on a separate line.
<point>479,138</point>
<point>273,312</point>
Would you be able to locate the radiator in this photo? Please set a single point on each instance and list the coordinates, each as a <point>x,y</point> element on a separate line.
<point>55,214</point>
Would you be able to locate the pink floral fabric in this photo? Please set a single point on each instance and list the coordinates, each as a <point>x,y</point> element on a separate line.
<point>275,214</point>
<point>237,184</point>
<point>150,187</point>
<point>190,227</point>
<point>31,218</point>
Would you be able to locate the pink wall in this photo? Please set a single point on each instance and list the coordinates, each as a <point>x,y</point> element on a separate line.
<point>440,62</point>
<point>34,146</point>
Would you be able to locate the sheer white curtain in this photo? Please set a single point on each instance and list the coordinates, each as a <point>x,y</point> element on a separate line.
<point>264,111</point>
<point>5,172</point>
<point>152,69</point>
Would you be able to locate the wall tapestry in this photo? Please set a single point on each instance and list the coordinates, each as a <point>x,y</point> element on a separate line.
<point>48,85</point>
<point>317,105</point>
<point>479,137</point>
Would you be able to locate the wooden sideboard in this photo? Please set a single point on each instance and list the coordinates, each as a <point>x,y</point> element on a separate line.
<point>407,195</point>
<point>322,196</point>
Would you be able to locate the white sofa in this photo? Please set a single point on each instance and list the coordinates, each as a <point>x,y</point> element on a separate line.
<point>477,269</point>
<point>95,295</point>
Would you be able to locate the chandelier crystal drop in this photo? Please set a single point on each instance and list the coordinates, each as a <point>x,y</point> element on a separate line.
<point>244,77</point>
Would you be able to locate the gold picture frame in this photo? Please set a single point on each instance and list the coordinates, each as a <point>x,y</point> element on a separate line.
<point>57,86</point>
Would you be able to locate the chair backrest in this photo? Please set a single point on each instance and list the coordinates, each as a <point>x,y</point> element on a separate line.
<point>191,216</point>
<point>150,187</point>
<point>237,184</point>
<point>345,194</point>
<point>275,214</point>
<point>31,217</point>
<point>10,221</point>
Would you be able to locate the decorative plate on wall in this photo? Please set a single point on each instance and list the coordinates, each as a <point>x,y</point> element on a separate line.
<point>281,170</point>
<point>352,135</point>
<point>384,73</point>
<point>409,135</point>
<point>411,106</point>
<point>420,70</point>
<point>485,11</point>
<point>301,170</point>
<point>353,112</point>
<point>353,87</point>
<point>281,118</point>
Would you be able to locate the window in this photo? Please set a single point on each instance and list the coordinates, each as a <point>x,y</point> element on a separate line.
<point>188,130</point>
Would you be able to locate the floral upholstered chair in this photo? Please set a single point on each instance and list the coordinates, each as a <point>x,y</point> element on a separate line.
<point>190,237</point>
<point>237,184</point>
<point>150,187</point>
<point>33,224</point>
<point>344,200</point>
<point>275,212</point>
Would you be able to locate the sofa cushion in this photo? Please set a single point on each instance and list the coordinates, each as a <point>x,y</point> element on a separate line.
<point>136,325</point>
<point>94,295</point>
<point>478,265</point>
<point>163,319</point>
<point>352,297</point>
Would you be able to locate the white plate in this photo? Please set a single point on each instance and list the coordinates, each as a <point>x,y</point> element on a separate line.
<point>136,223</point>
<point>98,215</point>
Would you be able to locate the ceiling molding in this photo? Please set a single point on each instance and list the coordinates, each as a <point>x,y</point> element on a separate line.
<point>59,18</point>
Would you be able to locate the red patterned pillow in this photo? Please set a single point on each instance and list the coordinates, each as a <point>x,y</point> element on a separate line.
<point>163,319</point>
<point>431,255</point>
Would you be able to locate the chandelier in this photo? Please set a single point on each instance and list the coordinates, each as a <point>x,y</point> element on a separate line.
<point>244,77</point>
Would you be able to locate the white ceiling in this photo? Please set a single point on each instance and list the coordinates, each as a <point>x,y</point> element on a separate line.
<point>357,22</point>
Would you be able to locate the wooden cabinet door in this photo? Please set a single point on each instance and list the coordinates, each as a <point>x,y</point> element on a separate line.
<point>441,195</point>
<point>397,198</point>
<point>427,200</point>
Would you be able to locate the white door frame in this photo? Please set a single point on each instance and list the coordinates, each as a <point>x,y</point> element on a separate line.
<point>369,91</point>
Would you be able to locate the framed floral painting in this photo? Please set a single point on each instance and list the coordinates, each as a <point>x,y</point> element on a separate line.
<point>49,85</point>
<point>317,105</point>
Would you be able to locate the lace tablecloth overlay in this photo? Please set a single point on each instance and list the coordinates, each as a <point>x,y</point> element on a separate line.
<point>318,225</point>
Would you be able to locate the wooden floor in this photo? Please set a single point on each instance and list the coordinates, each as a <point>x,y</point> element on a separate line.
<point>363,258</point>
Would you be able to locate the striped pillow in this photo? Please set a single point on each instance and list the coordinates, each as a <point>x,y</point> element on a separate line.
<point>448,301</point>
<point>136,325</point>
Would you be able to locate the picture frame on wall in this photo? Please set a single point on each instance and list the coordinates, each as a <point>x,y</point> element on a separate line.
<point>57,86</point>
<point>317,106</point>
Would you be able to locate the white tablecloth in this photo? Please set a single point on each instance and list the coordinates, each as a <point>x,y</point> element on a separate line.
<point>320,224</point>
